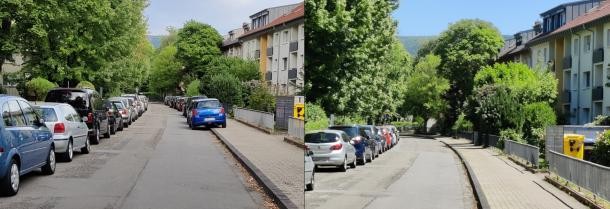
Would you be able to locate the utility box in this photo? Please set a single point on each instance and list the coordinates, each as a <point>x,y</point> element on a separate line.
<point>574,145</point>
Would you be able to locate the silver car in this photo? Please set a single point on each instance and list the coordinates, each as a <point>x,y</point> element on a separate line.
<point>69,130</point>
<point>126,111</point>
<point>139,105</point>
<point>309,171</point>
<point>331,148</point>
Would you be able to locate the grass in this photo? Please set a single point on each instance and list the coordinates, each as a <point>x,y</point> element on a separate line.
<point>582,191</point>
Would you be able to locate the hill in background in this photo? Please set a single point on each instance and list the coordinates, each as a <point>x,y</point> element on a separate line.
<point>155,40</point>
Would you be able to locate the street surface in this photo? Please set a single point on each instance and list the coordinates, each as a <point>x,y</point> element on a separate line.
<point>158,162</point>
<point>417,173</point>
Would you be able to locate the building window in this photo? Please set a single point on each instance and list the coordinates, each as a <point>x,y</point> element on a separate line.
<point>587,79</point>
<point>608,37</point>
<point>576,46</point>
<point>285,36</point>
<point>588,43</point>
<point>285,60</point>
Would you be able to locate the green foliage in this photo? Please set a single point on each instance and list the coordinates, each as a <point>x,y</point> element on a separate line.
<point>602,120</point>
<point>538,116</point>
<point>261,99</point>
<point>601,151</point>
<point>225,87</point>
<point>425,89</point>
<point>528,85</point>
<point>39,87</point>
<point>85,85</point>
<point>349,120</point>
<point>355,64</point>
<point>510,134</point>
<point>494,108</point>
<point>315,117</point>
<point>244,70</point>
<point>11,11</point>
<point>165,73</point>
<point>465,47</point>
<point>193,88</point>
<point>462,124</point>
<point>197,45</point>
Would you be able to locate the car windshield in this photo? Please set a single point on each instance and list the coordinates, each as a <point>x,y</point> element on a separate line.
<point>208,104</point>
<point>48,114</point>
<point>119,105</point>
<point>77,99</point>
<point>351,131</point>
<point>321,137</point>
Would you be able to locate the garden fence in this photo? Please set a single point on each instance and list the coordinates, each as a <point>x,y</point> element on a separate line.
<point>256,118</point>
<point>588,175</point>
<point>526,152</point>
<point>296,128</point>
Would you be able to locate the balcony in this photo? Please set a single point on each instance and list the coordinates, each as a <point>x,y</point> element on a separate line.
<point>566,96</point>
<point>598,55</point>
<point>294,46</point>
<point>269,51</point>
<point>598,93</point>
<point>567,62</point>
<point>292,74</point>
<point>268,76</point>
<point>257,54</point>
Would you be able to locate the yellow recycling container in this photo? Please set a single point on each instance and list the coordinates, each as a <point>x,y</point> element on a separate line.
<point>574,145</point>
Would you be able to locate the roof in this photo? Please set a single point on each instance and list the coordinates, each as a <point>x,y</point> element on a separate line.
<point>566,4</point>
<point>50,104</point>
<point>296,13</point>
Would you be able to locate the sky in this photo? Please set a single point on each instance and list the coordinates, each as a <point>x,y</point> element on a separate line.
<point>224,15</point>
<point>431,17</point>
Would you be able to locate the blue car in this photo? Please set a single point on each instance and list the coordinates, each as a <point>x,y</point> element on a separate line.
<point>360,140</point>
<point>207,112</point>
<point>26,143</point>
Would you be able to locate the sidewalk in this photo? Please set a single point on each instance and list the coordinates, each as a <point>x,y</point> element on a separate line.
<point>281,163</point>
<point>504,184</point>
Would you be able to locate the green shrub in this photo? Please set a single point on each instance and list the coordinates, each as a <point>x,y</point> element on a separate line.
<point>193,88</point>
<point>315,117</point>
<point>602,120</point>
<point>39,87</point>
<point>601,151</point>
<point>462,124</point>
<point>349,120</point>
<point>261,99</point>
<point>226,88</point>
<point>537,117</point>
<point>85,85</point>
<point>510,134</point>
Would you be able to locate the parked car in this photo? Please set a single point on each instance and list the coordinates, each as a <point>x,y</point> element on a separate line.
<point>69,130</point>
<point>387,136</point>
<point>114,117</point>
<point>127,111</point>
<point>139,105</point>
<point>132,107</point>
<point>395,133</point>
<point>360,141</point>
<point>309,171</point>
<point>26,143</point>
<point>181,101</point>
<point>144,101</point>
<point>331,148</point>
<point>88,103</point>
<point>188,103</point>
<point>208,112</point>
<point>377,146</point>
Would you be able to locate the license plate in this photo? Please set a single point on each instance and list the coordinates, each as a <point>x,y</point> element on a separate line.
<point>320,158</point>
<point>209,119</point>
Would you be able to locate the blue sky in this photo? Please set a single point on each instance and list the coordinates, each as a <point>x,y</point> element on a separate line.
<point>223,15</point>
<point>431,17</point>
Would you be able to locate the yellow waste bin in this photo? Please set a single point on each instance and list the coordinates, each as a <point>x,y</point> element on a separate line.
<point>574,145</point>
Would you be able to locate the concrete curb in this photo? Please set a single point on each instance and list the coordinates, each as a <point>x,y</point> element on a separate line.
<point>282,199</point>
<point>474,183</point>
<point>291,140</point>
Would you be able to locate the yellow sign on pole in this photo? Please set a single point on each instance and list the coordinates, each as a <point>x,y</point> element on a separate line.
<point>299,111</point>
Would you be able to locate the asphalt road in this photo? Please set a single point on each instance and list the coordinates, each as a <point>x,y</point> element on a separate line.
<point>155,163</point>
<point>417,173</point>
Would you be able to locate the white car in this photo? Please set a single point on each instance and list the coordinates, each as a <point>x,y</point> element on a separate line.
<point>309,171</point>
<point>68,128</point>
<point>331,148</point>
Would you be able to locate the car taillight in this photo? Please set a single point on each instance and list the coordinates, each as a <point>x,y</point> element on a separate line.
<point>124,111</point>
<point>194,112</point>
<point>336,147</point>
<point>89,117</point>
<point>222,110</point>
<point>59,128</point>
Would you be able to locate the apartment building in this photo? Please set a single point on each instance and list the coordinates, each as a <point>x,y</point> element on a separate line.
<point>574,45</point>
<point>231,46</point>
<point>275,38</point>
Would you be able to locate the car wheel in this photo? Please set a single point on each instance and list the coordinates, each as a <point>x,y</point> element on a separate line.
<point>120,126</point>
<point>343,167</point>
<point>108,130</point>
<point>96,138</point>
<point>69,154</point>
<point>87,148</point>
<point>224,125</point>
<point>49,168</point>
<point>9,186</point>
<point>309,187</point>
<point>363,161</point>
<point>353,164</point>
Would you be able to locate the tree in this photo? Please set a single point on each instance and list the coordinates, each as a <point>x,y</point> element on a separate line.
<point>244,70</point>
<point>193,88</point>
<point>261,99</point>
<point>11,11</point>
<point>225,87</point>
<point>165,73</point>
<point>39,87</point>
<point>347,45</point>
<point>197,44</point>
<point>465,47</point>
<point>85,85</point>
<point>315,117</point>
<point>425,90</point>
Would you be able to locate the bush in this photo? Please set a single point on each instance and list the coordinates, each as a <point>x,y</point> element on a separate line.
<point>510,134</point>
<point>315,117</point>
<point>226,88</point>
<point>462,124</point>
<point>85,85</point>
<point>601,151</point>
<point>261,99</point>
<point>193,88</point>
<point>537,116</point>
<point>349,120</point>
<point>602,120</point>
<point>39,87</point>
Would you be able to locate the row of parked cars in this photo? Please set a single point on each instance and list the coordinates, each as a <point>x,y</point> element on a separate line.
<point>199,110</point>
<point>34,134</point>
<point>346,145</point>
